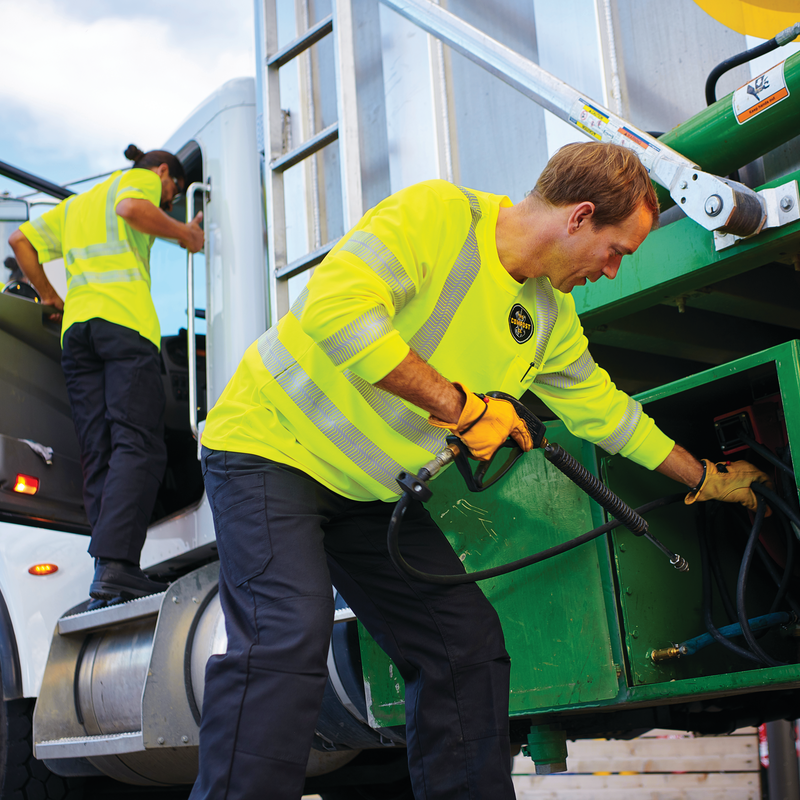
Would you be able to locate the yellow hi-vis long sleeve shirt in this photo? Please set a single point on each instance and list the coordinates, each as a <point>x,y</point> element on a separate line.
<point>107,261</point>
<point>420,271</point>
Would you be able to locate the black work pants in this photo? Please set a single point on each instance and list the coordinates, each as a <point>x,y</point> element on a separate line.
<point>113,378</point>
<point>282,539</point>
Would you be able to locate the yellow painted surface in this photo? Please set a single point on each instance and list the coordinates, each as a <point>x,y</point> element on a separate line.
<point>761,18</point>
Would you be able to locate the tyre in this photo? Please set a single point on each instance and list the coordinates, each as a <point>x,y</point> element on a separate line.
<point>22,777</point>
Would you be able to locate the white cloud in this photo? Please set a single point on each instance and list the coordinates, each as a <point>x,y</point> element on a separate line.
<point>87,87</point>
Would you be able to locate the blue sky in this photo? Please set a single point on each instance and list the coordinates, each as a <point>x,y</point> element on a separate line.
<point>82,79</point>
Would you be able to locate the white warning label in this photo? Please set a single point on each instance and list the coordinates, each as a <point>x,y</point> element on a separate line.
<point>759,94</point>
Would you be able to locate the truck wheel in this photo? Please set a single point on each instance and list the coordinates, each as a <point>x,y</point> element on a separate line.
<point>22,777</point>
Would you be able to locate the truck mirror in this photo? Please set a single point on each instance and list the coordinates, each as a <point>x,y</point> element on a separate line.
<point>13,210</point>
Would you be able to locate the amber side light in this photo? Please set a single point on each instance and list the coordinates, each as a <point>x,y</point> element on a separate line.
<point>26,484</point>
<point>43,569</point>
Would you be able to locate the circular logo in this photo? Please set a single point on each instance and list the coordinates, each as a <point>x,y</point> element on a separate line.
<point>520,324</point>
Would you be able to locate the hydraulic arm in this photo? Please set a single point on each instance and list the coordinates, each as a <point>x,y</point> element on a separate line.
<point>714,203</point>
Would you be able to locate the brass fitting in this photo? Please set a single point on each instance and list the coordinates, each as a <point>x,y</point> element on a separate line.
<point>666,653</point>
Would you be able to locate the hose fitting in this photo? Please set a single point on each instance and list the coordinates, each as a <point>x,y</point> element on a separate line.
<point>666,654</point>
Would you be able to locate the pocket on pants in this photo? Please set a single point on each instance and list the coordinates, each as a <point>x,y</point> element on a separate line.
<point>147,400</point>
<point>240,519</point>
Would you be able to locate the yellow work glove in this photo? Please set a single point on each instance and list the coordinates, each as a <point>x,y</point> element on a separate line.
<point>485,423</point>
<point>730,483</point>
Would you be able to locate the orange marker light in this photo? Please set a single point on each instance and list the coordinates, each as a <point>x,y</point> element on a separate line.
<point>43,569</point>
<point>26,484</point>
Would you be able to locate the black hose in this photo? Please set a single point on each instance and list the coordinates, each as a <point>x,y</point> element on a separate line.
<point>707,602</point>
<point>393,544</point>
<point>735,61</point>
<point>765,452</point>
<point>584,479</point>
<point>769,564</point>
<point>716,568</point>
<point>783,584</point>
<point>776,501</point>
<point>741,588</point>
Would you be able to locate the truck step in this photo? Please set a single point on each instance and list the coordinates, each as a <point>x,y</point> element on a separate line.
<point>111,615</point>
<point>343,615</point>
<point>87,746</point>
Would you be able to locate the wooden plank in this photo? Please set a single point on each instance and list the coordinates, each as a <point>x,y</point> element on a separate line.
<point>708,754</point>
<point>713,786</point>
<point>665,733</point>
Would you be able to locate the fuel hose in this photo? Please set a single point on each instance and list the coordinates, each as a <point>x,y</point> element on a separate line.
<point>393,542</point>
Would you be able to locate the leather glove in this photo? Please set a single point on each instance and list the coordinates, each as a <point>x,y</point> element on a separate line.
<point>730,483</point>
<point>485,423</point>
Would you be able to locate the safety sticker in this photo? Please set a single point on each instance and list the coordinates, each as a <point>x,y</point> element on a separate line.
<point>589,119</point>
<point>605,127</point>
<point>760,93</point>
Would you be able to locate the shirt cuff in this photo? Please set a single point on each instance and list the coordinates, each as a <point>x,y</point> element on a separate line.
<point>651,451</point>
<point>378,362</point>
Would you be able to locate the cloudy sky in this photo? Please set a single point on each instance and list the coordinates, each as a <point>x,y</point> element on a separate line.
<point>82,79</point>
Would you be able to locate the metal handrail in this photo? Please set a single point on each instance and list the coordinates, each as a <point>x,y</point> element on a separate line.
<point>191,345</point>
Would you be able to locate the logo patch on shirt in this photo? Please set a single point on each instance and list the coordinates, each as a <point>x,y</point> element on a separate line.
<point>520,323</point>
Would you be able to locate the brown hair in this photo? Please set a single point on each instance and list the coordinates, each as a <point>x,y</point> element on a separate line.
<point>154,158</point>
<point>608,175</point>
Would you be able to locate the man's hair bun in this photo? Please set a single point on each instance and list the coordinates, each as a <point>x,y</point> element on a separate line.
<point>133,153</point>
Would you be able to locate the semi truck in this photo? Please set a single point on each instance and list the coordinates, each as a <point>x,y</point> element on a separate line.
<point>353,100</point>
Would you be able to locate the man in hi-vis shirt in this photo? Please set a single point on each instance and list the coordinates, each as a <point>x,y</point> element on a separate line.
<point>437,293</point>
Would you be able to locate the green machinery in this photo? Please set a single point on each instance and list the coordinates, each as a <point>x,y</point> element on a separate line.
<point>706,337</point>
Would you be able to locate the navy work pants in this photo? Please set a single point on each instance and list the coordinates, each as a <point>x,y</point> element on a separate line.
<point>113,378</point>
<point>283,538</point>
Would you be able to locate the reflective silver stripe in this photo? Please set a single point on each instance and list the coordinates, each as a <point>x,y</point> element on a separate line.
<point>621,436</point>
<point>312,401</point>
<point>113,246</point>
<point>463,273</point>
<point>324,415</point>
<point>67,262</point>
<point>400,418</point>
<point>51,241</point>
<point>372,325</point>
<point>577,372</point>
<point>546,316</point>
<point>274,355</point>
<point>95,250</point>
<point>112,223</point>
<point>112,276</point>
<point>300,303</point>
<point>376,255</point>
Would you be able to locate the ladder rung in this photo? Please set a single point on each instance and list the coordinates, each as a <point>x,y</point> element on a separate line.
<point>305,262</point>
<point>308,148</point>
<point>302,43</point>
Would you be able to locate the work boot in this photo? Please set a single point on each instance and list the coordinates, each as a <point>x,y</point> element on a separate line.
<point>118,581</point>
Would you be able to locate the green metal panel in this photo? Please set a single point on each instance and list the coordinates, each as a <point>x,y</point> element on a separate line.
<point>718,144</point>
<point>662,607</point>
<point>562,640</point>
<point>568,646</point>
<point>677,259</point>
<point>659,606</point>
